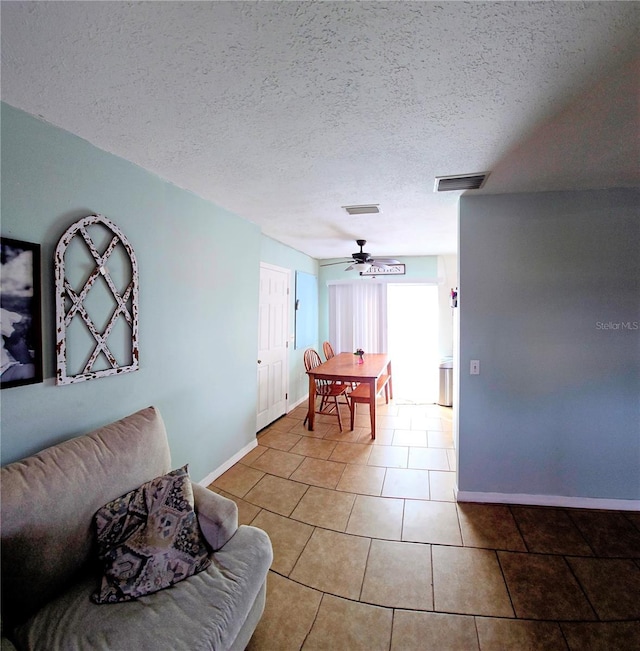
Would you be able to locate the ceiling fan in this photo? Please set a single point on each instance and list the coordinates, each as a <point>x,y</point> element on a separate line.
<point>362,261</point>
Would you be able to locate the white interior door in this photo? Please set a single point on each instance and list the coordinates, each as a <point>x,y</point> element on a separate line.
<point>272,344</point>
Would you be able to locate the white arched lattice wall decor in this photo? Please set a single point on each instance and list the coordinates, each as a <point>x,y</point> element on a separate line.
<point>96,302</point>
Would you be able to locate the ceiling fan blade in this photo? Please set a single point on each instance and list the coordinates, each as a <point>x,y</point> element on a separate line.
<point>328,264</point>
<point>379,262</point>
<point>362,261</point>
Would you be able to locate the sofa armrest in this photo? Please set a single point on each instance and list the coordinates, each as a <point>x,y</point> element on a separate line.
<point>6,644</point>
<point>217,516</point>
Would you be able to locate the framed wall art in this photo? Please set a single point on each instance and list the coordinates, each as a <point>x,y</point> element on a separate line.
<point>96,274</point>
<point>20,313</point>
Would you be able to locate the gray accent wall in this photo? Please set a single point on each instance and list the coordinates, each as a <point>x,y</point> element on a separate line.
<point>550,305</point>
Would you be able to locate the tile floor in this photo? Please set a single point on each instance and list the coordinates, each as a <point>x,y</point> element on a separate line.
<point>372,552</point>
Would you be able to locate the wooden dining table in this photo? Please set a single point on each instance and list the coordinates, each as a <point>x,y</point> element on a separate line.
<point>345,367</point>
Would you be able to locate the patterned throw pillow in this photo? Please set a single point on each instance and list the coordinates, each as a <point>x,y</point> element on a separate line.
<point>149,539</point>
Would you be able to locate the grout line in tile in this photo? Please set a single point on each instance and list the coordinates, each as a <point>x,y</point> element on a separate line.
<point>341,474</point>
<point>475,625</point>
<point>584,592</point>
<point>300,500</point>
<point>257,514</point>
<point>300,554</point>
<point>459,524</point>
<point>564,637</point>
<point>524,540</point>
<point>582,534</point>
<point>433,582</point>
<point>346,526</point>
<point>366,564</point>
<point>404,506</point>
<point>298,560</point>
<point>527,553</point>
<point>315,617</point>
<point>506,585</point>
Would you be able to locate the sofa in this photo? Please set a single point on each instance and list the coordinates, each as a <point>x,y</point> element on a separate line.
<point>50,567</point>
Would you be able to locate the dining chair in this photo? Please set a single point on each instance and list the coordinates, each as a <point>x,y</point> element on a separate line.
<point>326,389</point>
<point>327,348</point>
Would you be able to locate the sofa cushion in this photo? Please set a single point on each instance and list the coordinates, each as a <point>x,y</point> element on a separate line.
<point>149,539</point>
<point>206,611</point>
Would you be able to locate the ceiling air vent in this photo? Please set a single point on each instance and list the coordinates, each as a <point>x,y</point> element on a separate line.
<point>366,209</point>
<point>460,182</point>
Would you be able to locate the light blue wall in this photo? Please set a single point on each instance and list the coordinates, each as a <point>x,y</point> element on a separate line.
<point>556,408</point>
<point>199,273</point>
<point>278,254</point>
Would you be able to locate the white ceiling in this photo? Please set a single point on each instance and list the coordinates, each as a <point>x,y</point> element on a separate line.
<point>283,112</point>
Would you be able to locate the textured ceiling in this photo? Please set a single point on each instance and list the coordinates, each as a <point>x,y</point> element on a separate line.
<point>283,112</point>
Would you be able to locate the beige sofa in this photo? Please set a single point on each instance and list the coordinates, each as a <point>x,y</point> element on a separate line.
<point>49,565</point>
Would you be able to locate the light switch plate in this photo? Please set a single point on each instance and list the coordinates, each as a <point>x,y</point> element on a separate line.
<point>474,367</point>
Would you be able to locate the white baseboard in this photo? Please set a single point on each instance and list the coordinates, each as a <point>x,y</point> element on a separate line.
<point>548,500</point>
<point>291,407</point>
<point>212,476</point>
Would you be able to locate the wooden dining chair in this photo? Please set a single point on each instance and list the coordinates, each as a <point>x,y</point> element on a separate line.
<point>326,389</point>
<point>327,349</point>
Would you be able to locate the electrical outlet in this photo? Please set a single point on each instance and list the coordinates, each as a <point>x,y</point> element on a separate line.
<point>474,367</point>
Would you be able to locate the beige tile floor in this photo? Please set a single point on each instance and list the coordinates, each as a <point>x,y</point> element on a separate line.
<point>371,551</point>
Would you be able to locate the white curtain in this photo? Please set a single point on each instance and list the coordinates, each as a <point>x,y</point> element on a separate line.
<point>358,317</point>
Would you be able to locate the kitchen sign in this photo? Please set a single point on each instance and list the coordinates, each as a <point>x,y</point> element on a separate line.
<point>387,270</point>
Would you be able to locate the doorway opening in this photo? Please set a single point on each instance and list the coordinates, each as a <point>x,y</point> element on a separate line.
<point>412,316</point>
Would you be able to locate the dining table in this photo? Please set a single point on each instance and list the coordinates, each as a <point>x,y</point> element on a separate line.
<point>347,368</point>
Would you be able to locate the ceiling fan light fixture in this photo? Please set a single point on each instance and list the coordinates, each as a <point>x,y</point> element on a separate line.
<point>363,209</point>
<point>361,266</point>
<point>460,182</point>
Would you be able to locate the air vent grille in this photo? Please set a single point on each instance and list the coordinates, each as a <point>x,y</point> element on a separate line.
<point>460,182</point>
<point>367,209</point>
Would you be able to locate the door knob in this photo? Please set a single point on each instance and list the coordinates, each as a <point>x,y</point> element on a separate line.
<point>259,361</point>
